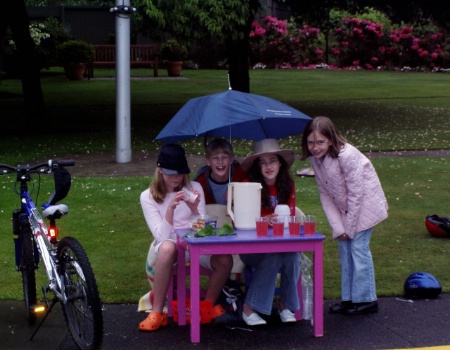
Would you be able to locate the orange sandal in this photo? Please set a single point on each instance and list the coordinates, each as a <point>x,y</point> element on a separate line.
<point>154,321</point>
<point>217,311</point>
<point>206,308</point>
<point>208,312</point>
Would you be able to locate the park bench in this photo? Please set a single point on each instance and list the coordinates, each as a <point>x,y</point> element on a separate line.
<point>141,56</point>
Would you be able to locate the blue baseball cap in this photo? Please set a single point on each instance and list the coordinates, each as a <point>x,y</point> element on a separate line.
<point>172,160</point>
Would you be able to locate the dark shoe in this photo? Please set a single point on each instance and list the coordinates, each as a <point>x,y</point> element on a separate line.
<point>340,307</point>
<point>363,308</point>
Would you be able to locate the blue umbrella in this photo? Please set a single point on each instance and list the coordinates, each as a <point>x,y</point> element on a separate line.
<point>234,114</point>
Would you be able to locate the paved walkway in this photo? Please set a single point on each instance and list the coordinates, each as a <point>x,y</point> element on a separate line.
<point>399,324</point>
<point>143,163</point>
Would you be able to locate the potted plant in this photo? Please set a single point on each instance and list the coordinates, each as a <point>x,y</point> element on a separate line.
<point>174,53</point>
<point>73,55</point>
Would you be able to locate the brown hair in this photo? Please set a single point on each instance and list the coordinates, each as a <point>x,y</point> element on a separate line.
<point>158,189</point>
<point>324,126</point>
<point>284,182</point>
<point>218,145</point>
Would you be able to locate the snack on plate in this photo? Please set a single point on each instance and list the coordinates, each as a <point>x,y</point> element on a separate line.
<point>199,222</point>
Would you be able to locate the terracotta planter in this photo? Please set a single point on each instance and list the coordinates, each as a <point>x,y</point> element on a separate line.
<point>74,71</point>
<point>174,68</point>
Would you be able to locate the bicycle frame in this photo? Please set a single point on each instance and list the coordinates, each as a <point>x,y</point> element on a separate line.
<point>44,245</point>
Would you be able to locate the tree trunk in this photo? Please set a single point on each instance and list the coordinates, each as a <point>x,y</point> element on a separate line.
<point>237,54</point>
<point>14,15</point>
<point>238,65</point>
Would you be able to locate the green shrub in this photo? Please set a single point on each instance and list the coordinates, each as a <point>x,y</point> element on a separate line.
<point>74,51</point>
<point>172,50</point>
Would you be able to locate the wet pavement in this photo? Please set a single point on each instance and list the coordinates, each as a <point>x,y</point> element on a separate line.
<point>399,324</point>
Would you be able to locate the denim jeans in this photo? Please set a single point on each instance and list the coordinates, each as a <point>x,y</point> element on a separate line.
<point>357,271</point>
<point>262,287</point>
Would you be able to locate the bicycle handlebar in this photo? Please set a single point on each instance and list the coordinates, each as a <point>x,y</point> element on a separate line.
<point>62,162</point>
<point>50,165</point>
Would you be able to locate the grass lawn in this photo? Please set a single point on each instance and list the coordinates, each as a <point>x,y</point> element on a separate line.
<point>375,111</point>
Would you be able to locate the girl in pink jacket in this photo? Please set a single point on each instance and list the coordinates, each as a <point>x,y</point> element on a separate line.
<point>354,202</point>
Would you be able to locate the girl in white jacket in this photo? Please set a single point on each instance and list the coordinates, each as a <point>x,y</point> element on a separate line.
<point>165,209</point>
<point>354,202</point>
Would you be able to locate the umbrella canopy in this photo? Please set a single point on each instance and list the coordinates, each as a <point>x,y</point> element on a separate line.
<point>234,114</point>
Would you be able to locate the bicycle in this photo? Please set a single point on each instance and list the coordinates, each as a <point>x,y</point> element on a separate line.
<point>70,275</point>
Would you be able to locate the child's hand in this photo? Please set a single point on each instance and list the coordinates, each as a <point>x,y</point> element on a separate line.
<point>343,237</point>
<point>177,199</point>
<point>193,205</point>
<point>271,216</point>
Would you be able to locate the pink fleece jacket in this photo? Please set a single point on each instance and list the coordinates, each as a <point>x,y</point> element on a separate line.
<point>350,191</point>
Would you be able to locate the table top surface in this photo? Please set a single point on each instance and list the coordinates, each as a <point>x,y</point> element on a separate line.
<point>243,236</point>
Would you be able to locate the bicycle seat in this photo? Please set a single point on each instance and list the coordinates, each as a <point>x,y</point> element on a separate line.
<point>55,211</point>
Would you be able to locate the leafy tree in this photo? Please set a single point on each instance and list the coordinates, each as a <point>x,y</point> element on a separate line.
<point>315,12</point>
<point>223,22</point>
<point>69,2</point>
<point>414,11</point>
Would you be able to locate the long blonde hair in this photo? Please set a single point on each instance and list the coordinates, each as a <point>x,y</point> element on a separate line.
<point>158,188</point>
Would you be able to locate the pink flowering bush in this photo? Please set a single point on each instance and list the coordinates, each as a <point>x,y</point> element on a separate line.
<point>280,44</point>
<point>359,43</point>
<point>307,49</point>
<point>355,44</point>
<point>407,49</point>
<point>270,42</point>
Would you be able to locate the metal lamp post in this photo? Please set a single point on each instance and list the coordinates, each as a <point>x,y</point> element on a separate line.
<point>123,12</point>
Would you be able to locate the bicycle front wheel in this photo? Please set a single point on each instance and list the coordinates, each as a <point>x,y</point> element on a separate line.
<point>28,268</point>
<point>83,309</point>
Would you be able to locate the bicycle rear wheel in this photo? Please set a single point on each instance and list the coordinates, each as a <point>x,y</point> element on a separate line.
<point>27,268</point>
<point>83,309</point>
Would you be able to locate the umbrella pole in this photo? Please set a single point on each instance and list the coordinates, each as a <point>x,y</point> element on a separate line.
<point>229,168</point>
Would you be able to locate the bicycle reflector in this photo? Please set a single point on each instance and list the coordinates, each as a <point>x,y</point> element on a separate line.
<point>53,234</point>
<point>38,308</point>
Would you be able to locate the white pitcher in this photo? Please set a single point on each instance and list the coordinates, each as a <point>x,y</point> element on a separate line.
<point>244,204</point>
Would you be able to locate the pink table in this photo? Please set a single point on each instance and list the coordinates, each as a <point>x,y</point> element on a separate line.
<point>244,242</point>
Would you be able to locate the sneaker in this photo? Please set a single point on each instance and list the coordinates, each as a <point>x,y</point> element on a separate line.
<point>363,308</point>
<point>253,320</point>
<point>287,316</point>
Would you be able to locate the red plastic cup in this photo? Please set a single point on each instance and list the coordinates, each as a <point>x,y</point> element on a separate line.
<point>262,226</point>
<point>294,225</point>
<point>278,225</point>
<point>310,224</point>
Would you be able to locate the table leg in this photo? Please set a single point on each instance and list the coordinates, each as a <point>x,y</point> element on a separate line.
<point>195,295</point>
<point>299,314</point>
<point>318,290</point>
<point>181,285</point>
